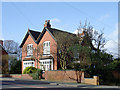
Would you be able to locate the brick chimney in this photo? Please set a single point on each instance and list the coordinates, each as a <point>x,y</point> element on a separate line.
<point>47,24</point>
<point>1,42</point>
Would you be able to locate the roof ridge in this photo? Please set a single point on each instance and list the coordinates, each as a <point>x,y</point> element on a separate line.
<point>62,31</point>
<point>33,30</point>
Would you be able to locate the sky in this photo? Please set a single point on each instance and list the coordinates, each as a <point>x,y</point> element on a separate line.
<point>17,17</point>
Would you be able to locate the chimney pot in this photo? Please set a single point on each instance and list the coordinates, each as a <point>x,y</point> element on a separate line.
<point>47,24</point>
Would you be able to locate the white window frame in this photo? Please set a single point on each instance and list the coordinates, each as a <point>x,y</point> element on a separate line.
<point>29,49</point>
<point>46,48</point>
<point>28,64</point>
<point>46,64</point>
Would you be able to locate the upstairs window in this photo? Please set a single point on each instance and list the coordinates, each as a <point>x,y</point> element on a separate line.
<point>29,49</point>
<point>46,48</point>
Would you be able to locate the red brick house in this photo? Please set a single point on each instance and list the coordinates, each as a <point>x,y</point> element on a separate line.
<point>3,59</point>
<point>45,42</point>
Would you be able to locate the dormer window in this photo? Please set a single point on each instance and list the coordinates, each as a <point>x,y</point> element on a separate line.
<point>46,48</point>
<point>29,49</point>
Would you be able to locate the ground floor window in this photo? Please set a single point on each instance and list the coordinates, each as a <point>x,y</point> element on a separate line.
<point>46,64</point>
<point>28,64</point>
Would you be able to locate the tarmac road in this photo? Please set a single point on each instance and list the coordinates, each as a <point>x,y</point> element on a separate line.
<point>18,84</point>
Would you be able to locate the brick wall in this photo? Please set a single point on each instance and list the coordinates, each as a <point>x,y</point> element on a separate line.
<point>24,49</point>
<point>20,76</point>
<point>53,47</point>
<point>93,81</point>
<point>64,76</point>
<point>70,76</point>
<point>116,74</point>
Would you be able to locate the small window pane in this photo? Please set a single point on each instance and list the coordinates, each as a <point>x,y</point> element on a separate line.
<point>49,43</point>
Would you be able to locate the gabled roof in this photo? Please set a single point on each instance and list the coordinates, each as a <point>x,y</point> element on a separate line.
<point>33,34</point>
<point>54,33</point>
<point>37,36</point>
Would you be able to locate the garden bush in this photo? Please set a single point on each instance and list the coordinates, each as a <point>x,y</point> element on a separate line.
<point>37,75</point>
<point>29,70</point>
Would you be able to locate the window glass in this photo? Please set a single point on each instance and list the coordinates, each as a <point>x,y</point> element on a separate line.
<point>29,49</point>
<point>46,47</point>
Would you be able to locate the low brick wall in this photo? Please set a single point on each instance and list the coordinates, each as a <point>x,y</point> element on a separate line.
<point>15,75</point>
<point>21,76</point>
<point>26,76</point>
<point>64,76</point>
<point>116,74</point>
<point>93,81</point>
<point>70,76</point>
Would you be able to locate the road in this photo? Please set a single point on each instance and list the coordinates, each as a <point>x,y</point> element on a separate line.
<point>17,84</point>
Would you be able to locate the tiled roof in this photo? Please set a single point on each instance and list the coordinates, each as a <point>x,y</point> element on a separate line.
<point>38,35</point>
<point>56,31</point>
<point>35,34</point>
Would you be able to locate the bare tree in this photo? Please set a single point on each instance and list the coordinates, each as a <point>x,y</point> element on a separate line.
<point>12,47</point>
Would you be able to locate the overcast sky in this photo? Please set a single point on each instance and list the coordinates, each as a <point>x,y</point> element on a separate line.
<point>18,17</point>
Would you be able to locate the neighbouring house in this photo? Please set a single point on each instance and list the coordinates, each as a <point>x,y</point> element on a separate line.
<point>39,49</point>
<point>3,59</point>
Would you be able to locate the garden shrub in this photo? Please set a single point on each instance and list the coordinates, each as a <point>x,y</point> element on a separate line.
<point>37,75</point>
<point>29,70</point>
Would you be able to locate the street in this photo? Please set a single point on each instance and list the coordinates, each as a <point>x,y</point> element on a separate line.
<point>17,84</point>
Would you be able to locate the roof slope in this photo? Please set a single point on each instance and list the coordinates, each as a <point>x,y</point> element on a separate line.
<point>37,36</point>
<point>33,34</point>
<point>57,31</point>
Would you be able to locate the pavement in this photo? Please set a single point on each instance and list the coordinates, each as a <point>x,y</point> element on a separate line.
<point>20,84</point>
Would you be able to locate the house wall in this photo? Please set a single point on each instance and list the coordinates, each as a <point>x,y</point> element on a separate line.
<point>29,40</point>
<point>3,61</point>
<point>53,47</point>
